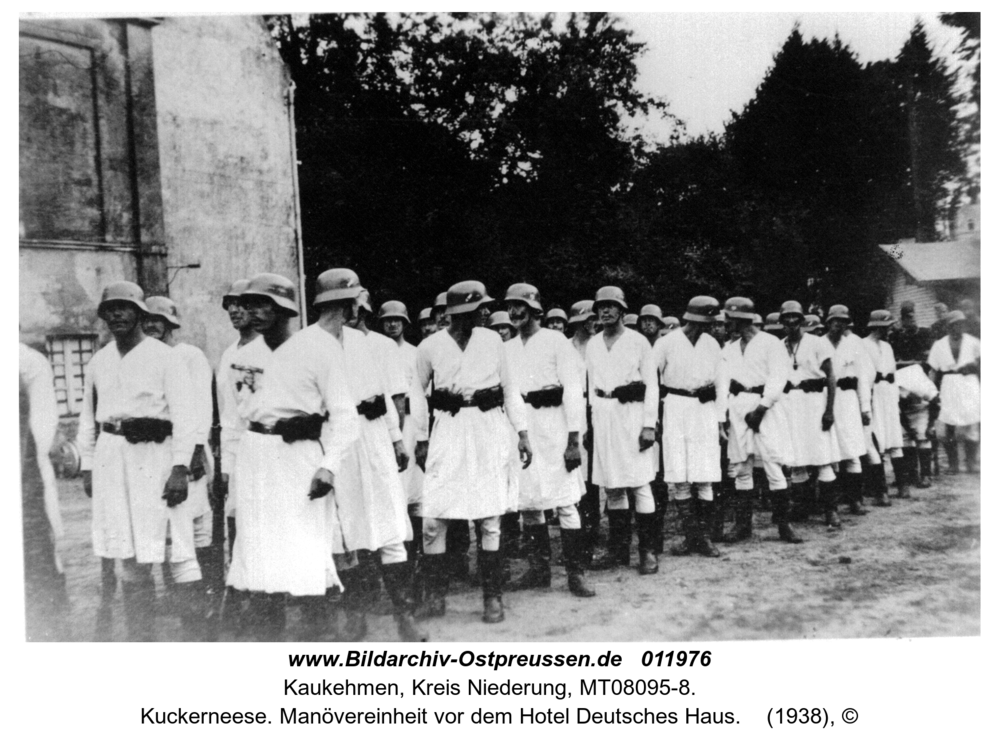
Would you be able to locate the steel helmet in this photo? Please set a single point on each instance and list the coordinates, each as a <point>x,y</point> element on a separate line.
<point>441,301</point>
<point>556,314</point>
<point>812,324</point>
<point>702,309</point>
<point>123,291</point>
<point>651,310</point>
<point>425,314</point>
<point>611,294</point>
<point>581,311</point>
<point>758,320</point>
<point>631,320</point>
<point>880,319</point>
<point>791,307</point>
<point>772,321</point>
<point>739,307</point>
<point>364,301</point>
<point>164,307</point>
<point>500,318</point>
<point>838,312</point>
<point>336,284</point>
<point>394,309</point>
<point>954,316</point>
<point>525,293</point>
<point>672,322</point>
<point>275,287</point>
<point>238,287</point>
<point>466,296</point>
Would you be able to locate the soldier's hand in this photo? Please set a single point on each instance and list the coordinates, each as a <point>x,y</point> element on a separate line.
<point>572,456</point>
<point>175,491</point>
<point>755,417</point>
<point>524,448</point>
<point>402,458</point>
<point>199,462</point>
<point>321,485</point>
<point>88,483</point>
<point>647,438</point>
<point>827,420</point>
<point>866,419</point>
<point>420,454</point>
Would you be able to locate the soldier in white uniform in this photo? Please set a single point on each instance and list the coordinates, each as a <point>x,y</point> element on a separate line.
<point>582,322</point>
<point>887,430</point>
<point>551,385</point>
<point>428,324</point>
<point>301,421</point>
<point>500,322</point>
<point>954,361</point>
<point>368,504</point>
<point>621,378</point>
<point>809,405</point>
<point>466,459</point>
<point>160,323</point>
<point>137,397</point>
<point>757,367</point>
<point>556,319</point>
<point>852,409</point>
<point>689,368</point>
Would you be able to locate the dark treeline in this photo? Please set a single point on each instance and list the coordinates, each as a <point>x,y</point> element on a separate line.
<point>437,148</point>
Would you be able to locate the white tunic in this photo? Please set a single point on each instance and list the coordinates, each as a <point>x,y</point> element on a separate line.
<point>283,538</point>
<point>130,516</point>
<point>691,450</point>
<point>200,375</point>
<point>851,360</point>
<point>959,392</point>
<point>618,463</point>
<point>886,428</point>
<point>549,360</point>
<point>762,363</point>
<point>369,503</point>
<point>811,445</point>
<point>412,477</point>
<point>468,461</point>
<point>581,369</point>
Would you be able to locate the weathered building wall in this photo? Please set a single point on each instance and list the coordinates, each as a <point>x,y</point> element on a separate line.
<point>225,163</point>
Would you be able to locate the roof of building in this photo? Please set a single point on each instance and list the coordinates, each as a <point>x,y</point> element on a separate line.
<point>943,261</point>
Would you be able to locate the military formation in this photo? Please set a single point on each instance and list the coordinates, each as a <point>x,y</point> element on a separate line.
<point>351,460</point>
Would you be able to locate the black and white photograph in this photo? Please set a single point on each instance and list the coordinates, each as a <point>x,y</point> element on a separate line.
<point>569,327</point>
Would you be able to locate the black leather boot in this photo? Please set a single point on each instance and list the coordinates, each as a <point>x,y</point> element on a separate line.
<point>704,512</point>
<point>878,486</point>
<point>972,457</point>
<point>685,513</point>
<point>901,474</point>
<point>645,525</point>
<point>779,505</point>
<point>743,513</point>
<point>924,462</point>
<point>492,569</point>
<point>829,492</point>
<point>436,577</point>
<point>619,541</point>
<point>854,484</point>
<point>572,542</point>
<point>193,603</point>
<point>398,579</point>
<point>538,546</point>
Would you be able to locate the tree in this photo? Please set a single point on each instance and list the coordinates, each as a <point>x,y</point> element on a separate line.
<point>969,50</point>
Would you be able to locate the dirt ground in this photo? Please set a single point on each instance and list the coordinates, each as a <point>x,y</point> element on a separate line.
<point>912,570</point>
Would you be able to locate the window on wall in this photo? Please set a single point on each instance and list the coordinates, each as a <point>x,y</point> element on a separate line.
<point>69,355</point>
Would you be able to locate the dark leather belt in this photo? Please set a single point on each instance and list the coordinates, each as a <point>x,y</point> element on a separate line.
<point>702,394</point>
<point>847,383</point>
<point>807,385</point>
<point>880,377</point>
<point>299,428</point>
<point>140,430</point>
<point>736,388</point>
<point>373,408</point>
<point>549,397</point>
<point>626,393</point>
<point>452,402</point>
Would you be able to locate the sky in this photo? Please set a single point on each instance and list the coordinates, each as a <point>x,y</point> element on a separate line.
<point>707,65</point>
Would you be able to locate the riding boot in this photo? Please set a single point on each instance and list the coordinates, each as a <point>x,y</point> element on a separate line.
<point>722,500</point>
<point>573,545</point>
<point>645,525</point>
<point>779,506</point>
<point>492,570</point>
<point>901,475</point>
<point>854,484</point>
<point>660,500</point>
<point>193,602</point>
<point>924,460</point>
<point>743,517</point>
<point>590,518</point>
<point>398,579</point>
<point>878,486</point>
<point>619,541</point>
<point>685,513</point>
<point>457,542</point>
<point>436,576</point>
<point>798,492</point>
<point>109,584</point>
<point>972,457</point>
<point>951,449</point>
<point>138,599</point>
<point>539,573</point>
<point>828,493</point>
<point>704,511</point>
